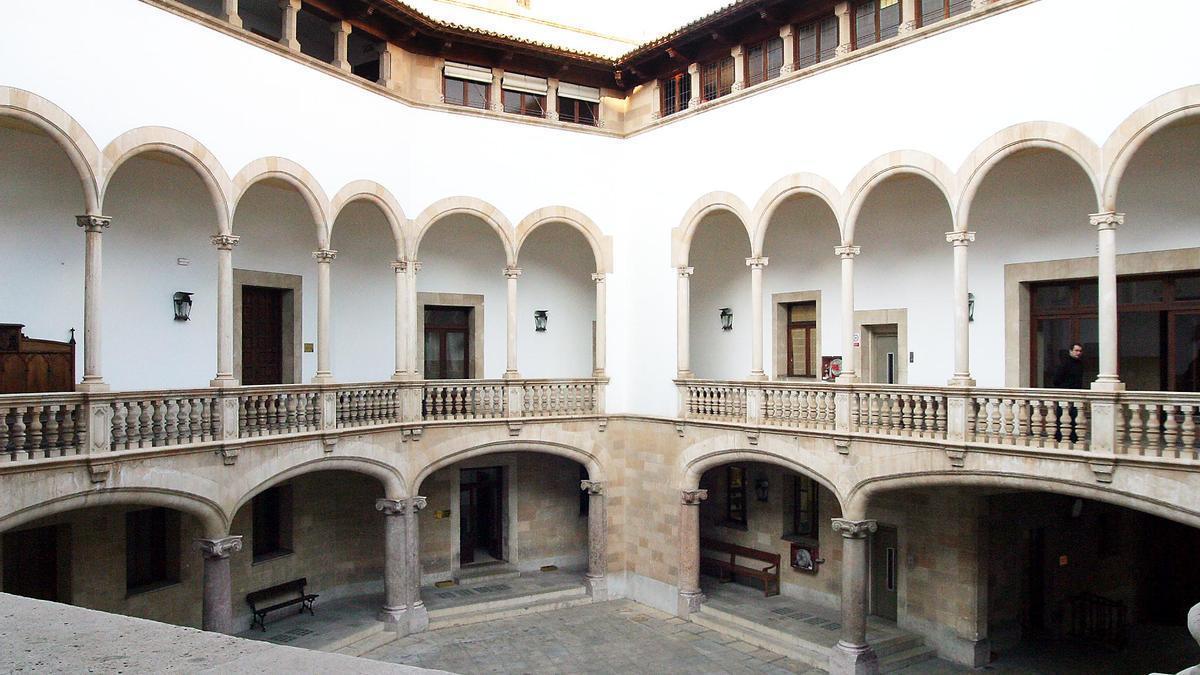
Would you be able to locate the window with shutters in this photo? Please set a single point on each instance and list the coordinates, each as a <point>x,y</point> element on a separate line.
<point>816,42</point>
<point>875,21</point>
<point>801,342</point>
<point>521,103</point>
<point>578,112</point>
<point>763,61</point>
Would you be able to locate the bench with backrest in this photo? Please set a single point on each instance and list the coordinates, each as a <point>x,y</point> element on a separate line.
<point>727,565</point>
<point>277,597</point>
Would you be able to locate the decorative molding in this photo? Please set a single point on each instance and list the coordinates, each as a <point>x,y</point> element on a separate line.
<point>692,497</point>
<point>757,263</point>
<point>417,503</point>
<point>1103,470</point>
<point>752,436</point>
<point>99,472</point>
<point>512,272</point>
<point>214,549</point>
<point>847,251</point>
<point>958,457</point>
<point>1108,220</point>
<point>391,507</point>
<point>229,455</point>
<point>685,271</point>
<point>679,428</point>
<point>93,223</point>
<point>514,429</point>
<point>854,529</point>
<point>842,445</point>
<point>592,487</point>
<point>324,255</point>
<point>960,238</point>
<point>225,242</point>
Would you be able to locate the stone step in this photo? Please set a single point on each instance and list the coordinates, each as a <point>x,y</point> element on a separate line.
<point>772,640</point>
<point>345,641</point>
<point>469,576</point>
<point>365,645</point>
<point>508,607</point>
<point>900,660</point>
<point>895,644</point>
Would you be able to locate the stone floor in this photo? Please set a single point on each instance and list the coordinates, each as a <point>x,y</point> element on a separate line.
<point>486,591</point>
<point>332,622</point>
<point>611,637</point>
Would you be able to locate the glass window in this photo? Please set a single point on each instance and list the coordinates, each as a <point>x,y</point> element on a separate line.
<point>466,93</point>
<point>801,339</point>
<point>1140,291</point>
<point>1187,288</point>
<point>804,507</point>
<point>521,103</point>
<point>932,11</point>
<point>763,61</point>
<point>875,21</point>
<point>716,79</point>
<point>676,92</point>
<point>578,112</point>
<point>816,42</point>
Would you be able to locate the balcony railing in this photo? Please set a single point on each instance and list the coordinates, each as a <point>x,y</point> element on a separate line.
<point>44,426</point>
<point>1146,424</point>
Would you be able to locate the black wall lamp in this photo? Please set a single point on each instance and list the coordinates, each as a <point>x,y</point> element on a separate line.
<point>970,307</point>
<point>183,305</point>
<point>539,320</point>
<point>726,318</point>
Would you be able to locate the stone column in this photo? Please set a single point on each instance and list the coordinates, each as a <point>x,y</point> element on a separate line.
<point>341,44</point>
<point>683,323</point>
<point>93,266</point>
<point>403,322</point>
<point>756,328</point>
<point>389,54</point>
<point>395,563</point>
<point>418,616</point>
<point>908,16</point>
<point>690,596</point>
<point>962,313</point>
<point>511,274</point>
<point>852,654</point>
<point>229,13</point>
<point>225,244</point>
<point>787,33</point>
<point>598,369</point>
<point>552,98</point>
<point>739,67</point>
<point>415,347</point>
<point>324,259</point>
<point>217,613</point>
<point>845,44</point>
<point>849,356</point>
<point>597,540</point>
<point>291,9</point>
<point>1106,231</point>
<point>694,75</point>
<point>497,92</point>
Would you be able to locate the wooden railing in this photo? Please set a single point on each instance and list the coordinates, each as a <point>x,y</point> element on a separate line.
<point>42,426</point>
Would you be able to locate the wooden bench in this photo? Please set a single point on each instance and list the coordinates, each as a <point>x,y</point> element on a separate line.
<point>728,566</point>
<point>277,597</point>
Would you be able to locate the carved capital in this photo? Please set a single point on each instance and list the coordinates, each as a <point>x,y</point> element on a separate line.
<point>417,503</point>
<point>391,507</point>
<point>324,255</point>
<point>592,487</point>
<point>786,31</point>
<point>599,277</point>
<point>225,242</point>
<point>787,67</point>
<point>93,223</point>
<point>219,548</point>
<point>757,263</point>
<point>414,265</point>
<point>693,497</point>
<point>960,238</point>
<point>685,272</point>
<point>1107,221</point>
<point>512,272</point>
<point>400,266</point>
<point>854,529</point>
<point>847,251</point>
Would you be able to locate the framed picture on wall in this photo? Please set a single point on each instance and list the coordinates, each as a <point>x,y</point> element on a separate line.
<point>804,558</point>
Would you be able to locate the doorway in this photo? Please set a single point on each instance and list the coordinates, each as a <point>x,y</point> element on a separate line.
<point>481,520</point>
<point>262,335</point>
<point>447,343</point>
<point>37,563</point>
<point>885,571</point>
<point>884,350</point>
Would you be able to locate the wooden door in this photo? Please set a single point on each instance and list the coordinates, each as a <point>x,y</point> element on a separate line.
<point>467,501</point>
<point>885,572</point>
<point>447,343</point>
<point>262,335</point>
<point>31,564</point>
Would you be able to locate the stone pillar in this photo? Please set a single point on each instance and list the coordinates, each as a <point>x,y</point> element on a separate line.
<point>787,33</point>
<point>225,244</point>
<point>1106,230</point>
<point>229,13</point>
<point>291,9</point>
<point>403,322</point>
<point>598,369</point>
<point>395,563</point>
<point>690,596</point>
<point>849,355</point>
<point>908,16</point>
<point>93,266</point>
<point>552,98</point>
<point>418,616</point>
<point>415,347</point>
<point>852,654</point>
<point>511,274</point>
<point>962,313</point>
<point>845,43</point>
<point>341,45</point>
<point>756,329</point>
<point>683,323</point>
<point>497,92</point>
<point>389,55</point>
<point>739,67</point>
<point>217,611</point>
<point>597,540</point>
<point>324,259</point>
<point>694,75</point>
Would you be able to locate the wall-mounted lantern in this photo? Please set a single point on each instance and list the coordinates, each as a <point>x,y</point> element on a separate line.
<point>970,307</point>
<point>726,318</point>
<point>183,305</point>
<point>539,320</point>
<point>761,489</point>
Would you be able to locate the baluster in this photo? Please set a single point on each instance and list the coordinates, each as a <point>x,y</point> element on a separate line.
<point>172,421</point>
<point>120,425</point>
<point>290,405</point>
<point>4,435</point>
<point>1154,424</point>
<point>1021,430</point>
<point>1137,428</point>
<point>995,423</point>
<point>145,425</point>
<point>50,432</point>
<point>34,432</point>
<point>245,423</point>
<point>262,422</point>
<point>1008,427</point>
<point>183,423</point>
<point>18,434</point>
<point>906,413</point>
<point>1188,432</point>
<point>1037,425</point>
<point>941,416</point>
<point>1052,424</point>
<point>1121,440</point>
<point>1082,424</point>
<point>1170,431</point>
<point>66,431</point>
<point>928,417</point>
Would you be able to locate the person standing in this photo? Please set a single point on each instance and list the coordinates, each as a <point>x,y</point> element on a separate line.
<point>1069,375</point>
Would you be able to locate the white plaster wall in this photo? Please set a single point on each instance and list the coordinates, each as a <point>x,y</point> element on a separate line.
<point>557,266</point>
<point>364,295</point>
<point>721,279</point>
<point>942,95</point>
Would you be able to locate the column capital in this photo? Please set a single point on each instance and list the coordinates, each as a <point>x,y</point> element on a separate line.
<point>400,266</point>
<point>757,263</point>
<point>512,272</point>
<point>599,277</point>
<point>846,251</point>
<point>685,272</point>
<point>93,223</point>
<point>960,238</point>
<point>592,487</point>
<point>225,242</point>
<point>786,31</point>
<point>417,503</point>
<point>841,8</point>
<point>219,548</point>
<point>694,68</point>
<point>854,529</point>
<point>324,255</point>
<point>340,27</point>
<point>391,507</point>
<point>737,51</point>
<point>1108,220</point>
<point>692,497</point>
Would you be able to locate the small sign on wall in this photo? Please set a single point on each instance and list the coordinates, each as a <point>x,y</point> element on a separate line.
<point>857,339</point>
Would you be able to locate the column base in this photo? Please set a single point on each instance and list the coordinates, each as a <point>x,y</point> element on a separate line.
<point>689,603</point>
<point>395,618</point>
<point>323,378</point>
<point>232,19</point>
<point>597,588</point>
<point>1108,383</point>
<point>599,374</point>
<point>96,386</point>
<point>512,375</point>
<point>847,659</point>
<point>961,381</point>
<point>685,375</point>
<point>848,378</point>
<point>757,376</point>
<point>404,376</point>
<point>223,381</point>
<point>293,45</point>
<point>418,618</point>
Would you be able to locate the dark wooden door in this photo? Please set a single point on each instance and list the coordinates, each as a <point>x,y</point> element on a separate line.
<point>447,343</point>
<point>31,563</point>
<point>467,499</point>
<point>262,335</point>
<point>481,514</point>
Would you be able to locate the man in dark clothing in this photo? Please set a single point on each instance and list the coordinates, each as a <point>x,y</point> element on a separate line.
<point>1070,372</point>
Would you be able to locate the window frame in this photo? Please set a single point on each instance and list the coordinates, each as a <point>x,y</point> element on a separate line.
<point>280,539</point>
<point>151,549</point>
<point>523,99</point>
<point>948,10</point>
<point>682,83</point>
<point>811,328</point>
<point>878,34</point>
<point>736,494</point>
<point>714,72</point>
<point>487,92</point>
<point>822,53</point>
<point>577,104</point>
<point>806,519</point>
<point>765,60</point>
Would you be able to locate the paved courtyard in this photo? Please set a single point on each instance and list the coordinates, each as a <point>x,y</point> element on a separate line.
<point>611,637</point>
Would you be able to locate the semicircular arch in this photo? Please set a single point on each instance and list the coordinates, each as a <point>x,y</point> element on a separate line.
<point>281,168</point>
<point>698,459</point>
<point>79,147</point>
<point>713,202</point>
<point>901,162</point>
<point>268,476</point>
<point>213,520</point>
<point>788,187</point>
<point>470,206</point>
<point>593,461</point>
<point>381,197</point>
<point>1123,145</point>
<point>600,243</point>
